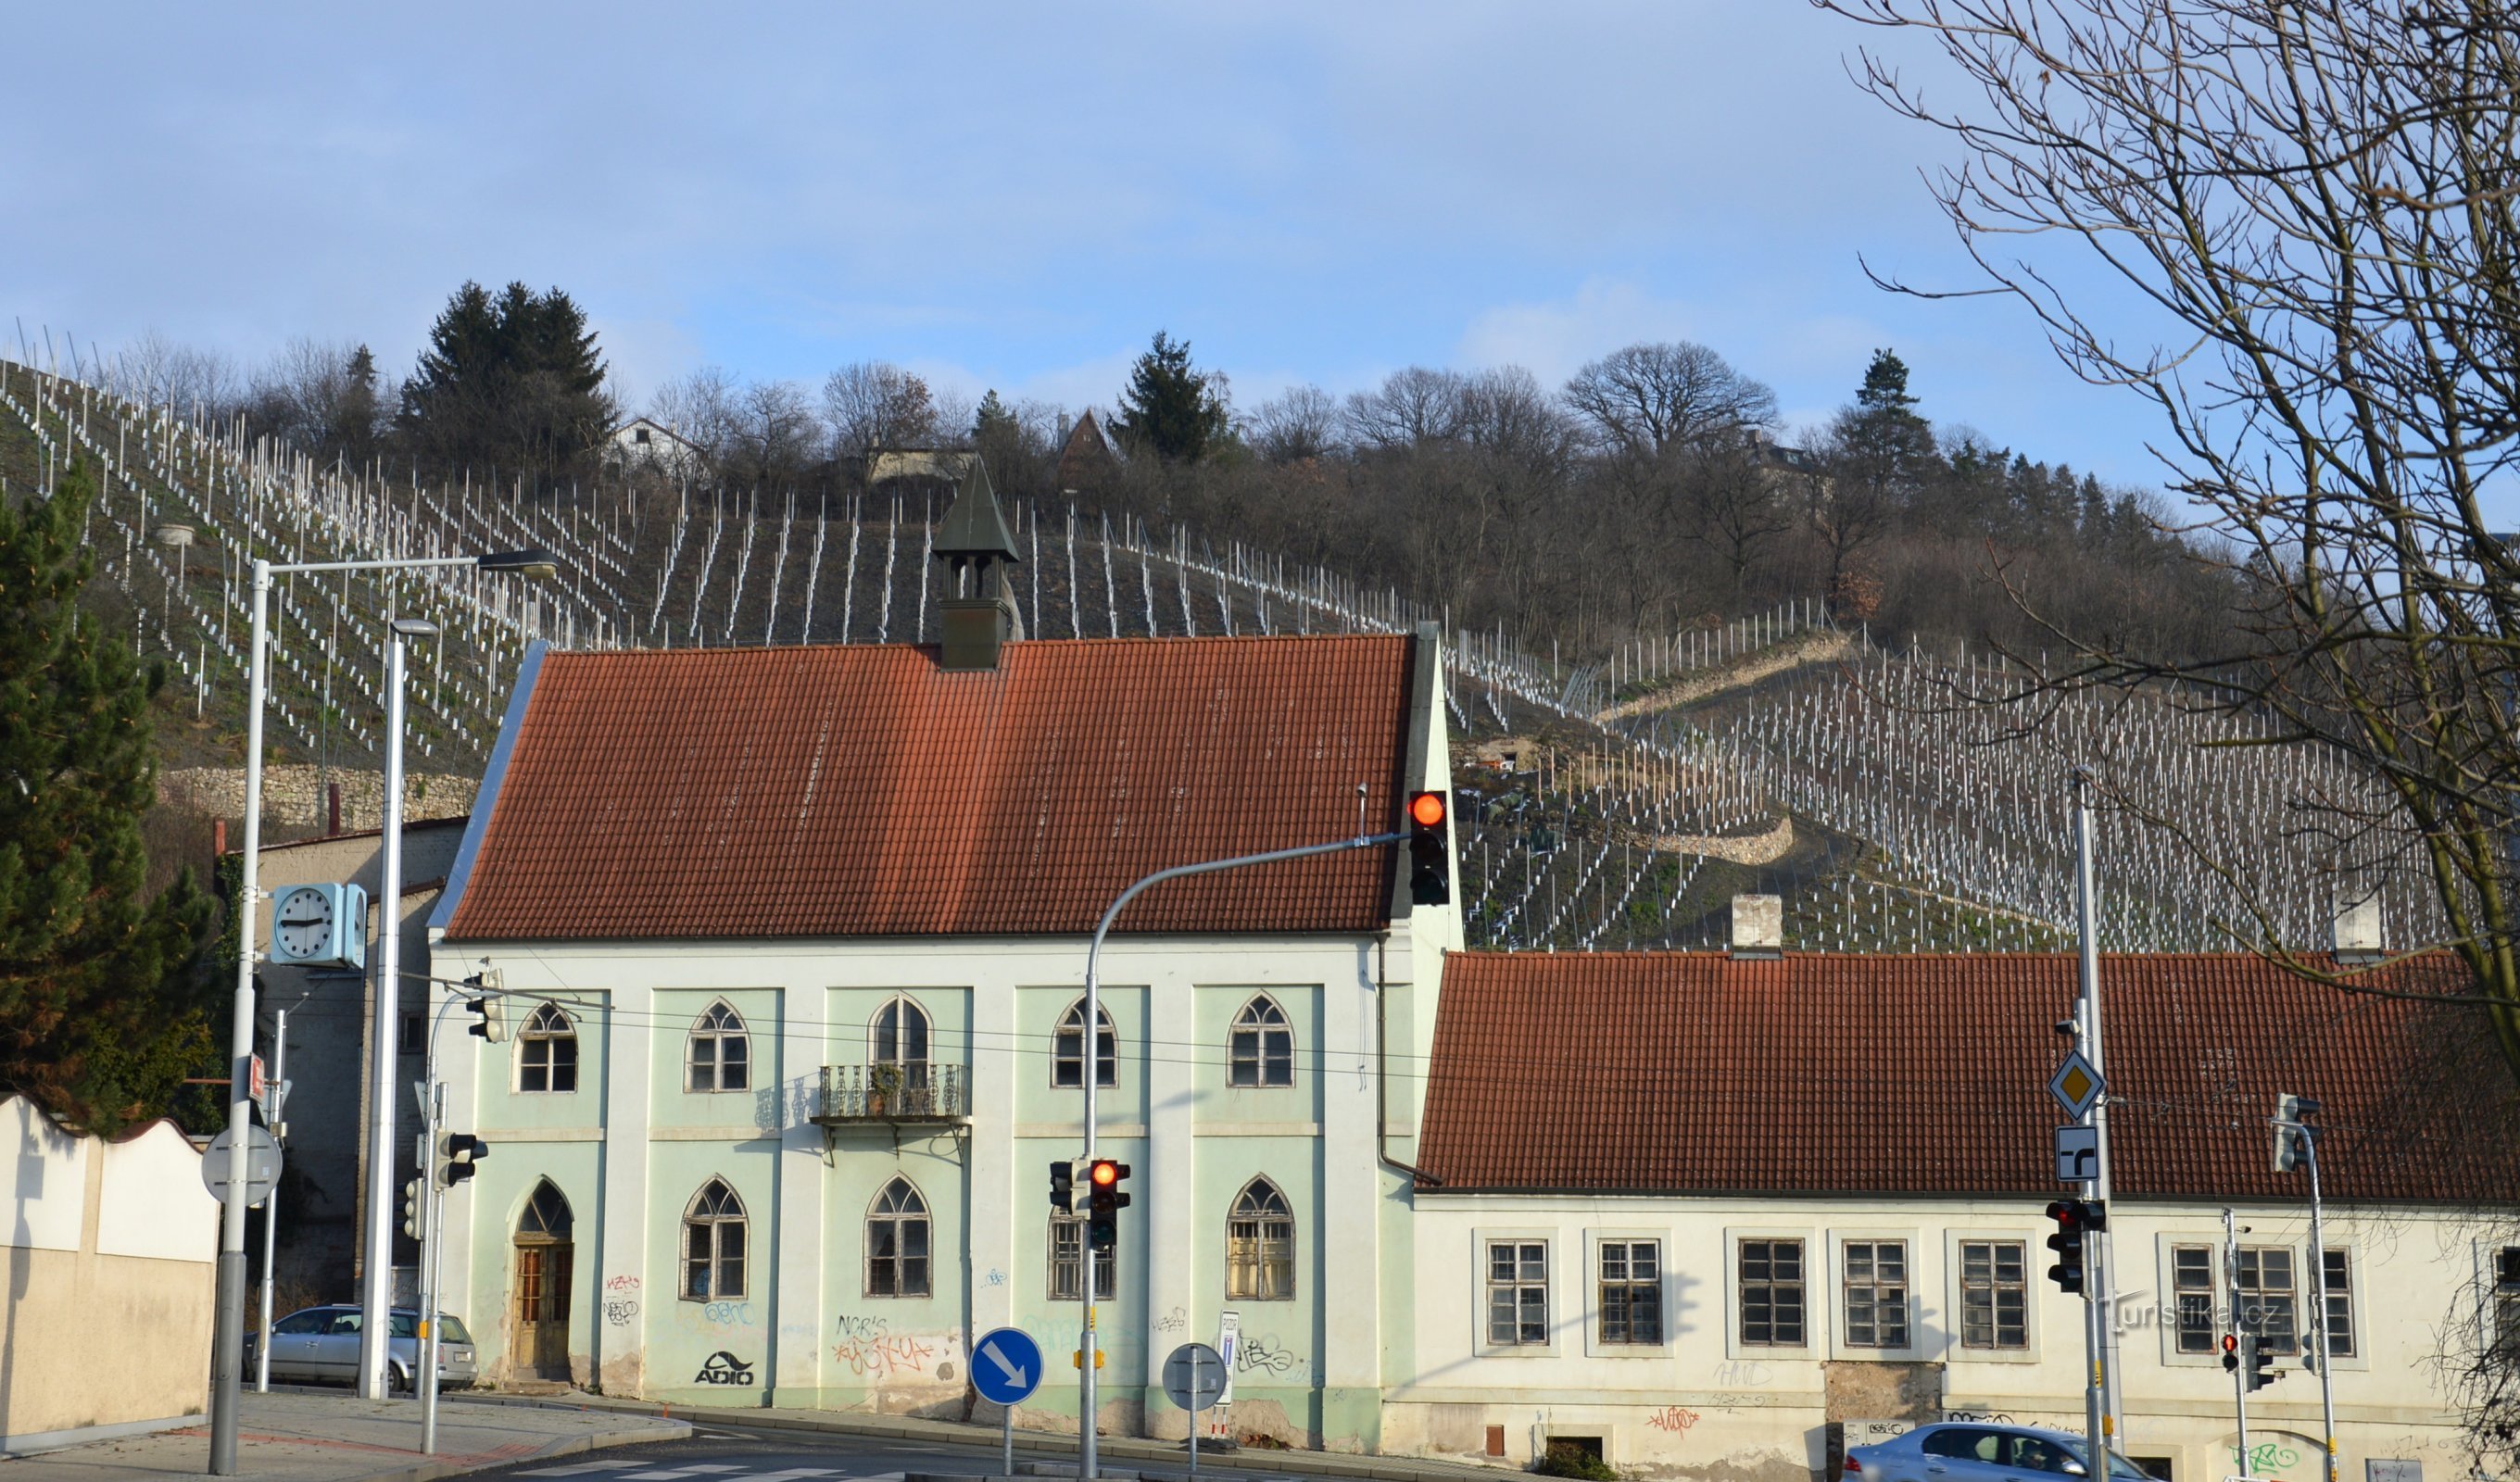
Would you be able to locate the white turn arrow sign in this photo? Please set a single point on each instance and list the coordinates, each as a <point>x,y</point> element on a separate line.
<point>1014,1376</point>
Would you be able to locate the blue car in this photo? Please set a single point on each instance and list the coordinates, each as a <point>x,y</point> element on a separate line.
<point>1971,1452</point>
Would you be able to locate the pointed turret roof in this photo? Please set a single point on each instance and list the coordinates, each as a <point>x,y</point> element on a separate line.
<point>974,528</point>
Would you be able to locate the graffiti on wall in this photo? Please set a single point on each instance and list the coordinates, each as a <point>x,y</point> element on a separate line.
<point>872,1350</point>
<point>1676,1419</point>
<point>723,1368</point>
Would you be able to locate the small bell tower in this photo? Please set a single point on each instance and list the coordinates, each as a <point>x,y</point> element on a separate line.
<point>978,613</point>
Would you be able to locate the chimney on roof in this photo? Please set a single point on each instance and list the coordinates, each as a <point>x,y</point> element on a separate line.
<point>978,612</point>
<point>1758,927</point>
<point>2357,930</point>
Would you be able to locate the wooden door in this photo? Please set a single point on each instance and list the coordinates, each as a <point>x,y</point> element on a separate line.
<point>539,1337</point>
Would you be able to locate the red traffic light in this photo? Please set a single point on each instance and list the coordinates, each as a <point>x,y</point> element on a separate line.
<point>1427,810</point>
<point>2231,1343</point>
<point>1105,1173</point>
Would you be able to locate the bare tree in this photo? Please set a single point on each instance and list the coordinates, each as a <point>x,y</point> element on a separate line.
<point>156,371</point>
<point>870,404</point>
<point>2320,197</point>
<point>1650,397</point>
<point>705,409</point>
<point>1297,424</point>
<point>1412,407</point>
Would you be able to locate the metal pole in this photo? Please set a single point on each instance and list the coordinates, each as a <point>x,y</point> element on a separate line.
<point>2318,1300</point>
<point>2098,1408</point>
<point>274,1101</point>
<point>432,1232</point>
<point>227,1352</point>
<point>376,1286</point>
<point>2239,1375</point>
<point>1007,1416</point>
<point>1087,1453</point>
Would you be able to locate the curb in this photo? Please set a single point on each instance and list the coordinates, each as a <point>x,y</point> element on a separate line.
<point>565,1446</point>
<point>1124,1448</point>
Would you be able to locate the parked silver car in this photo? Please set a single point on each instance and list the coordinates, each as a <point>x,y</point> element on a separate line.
<point>1958,1452</point>
<point>323,1343</point>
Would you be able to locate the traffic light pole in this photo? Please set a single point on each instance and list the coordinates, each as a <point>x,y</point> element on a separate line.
<point>2101,1406</point>
<point>275,1102</point>
<point>2318,1303</point>
<point>433,1113</point>
<point>1087,1390</point>
<point>2239,1371</point>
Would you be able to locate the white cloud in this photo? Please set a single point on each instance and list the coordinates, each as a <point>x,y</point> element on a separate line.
<point>1553,339</point>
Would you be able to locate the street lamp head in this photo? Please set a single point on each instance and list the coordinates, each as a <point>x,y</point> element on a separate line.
<point>413,627</point>
<point>534,561</point>
<point>177,536</point>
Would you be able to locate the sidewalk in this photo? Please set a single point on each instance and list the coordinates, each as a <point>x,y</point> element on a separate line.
<point>1032,1445</point>
<point>342,1438</point>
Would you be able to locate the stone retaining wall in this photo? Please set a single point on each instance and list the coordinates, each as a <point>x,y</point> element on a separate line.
<point>293,798</point>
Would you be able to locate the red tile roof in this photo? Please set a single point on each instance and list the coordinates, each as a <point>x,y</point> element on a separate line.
<point>1833,1074</point>
<point>860,791</point>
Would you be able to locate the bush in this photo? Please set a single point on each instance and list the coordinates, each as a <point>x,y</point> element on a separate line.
<point>1573,1461</point>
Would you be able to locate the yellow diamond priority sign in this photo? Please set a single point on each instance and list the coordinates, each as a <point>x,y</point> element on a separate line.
<point>2075,1086</point>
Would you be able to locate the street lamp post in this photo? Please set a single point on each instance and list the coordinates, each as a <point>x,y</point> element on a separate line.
<point>227,1352</point>
<point>1087,1389</point>
<point>376,1286</point>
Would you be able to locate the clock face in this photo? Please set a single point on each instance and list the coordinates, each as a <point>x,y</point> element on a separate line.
<point>301,922</point>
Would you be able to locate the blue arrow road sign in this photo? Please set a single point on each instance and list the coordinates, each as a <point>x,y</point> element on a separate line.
<point>1006,1366</point>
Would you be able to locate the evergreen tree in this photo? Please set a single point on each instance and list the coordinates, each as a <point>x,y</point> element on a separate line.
<point>1171,409</point>
<point>514,381</point>
<point>994,421</point>
<point>356,417</point>
<point>104,993</point>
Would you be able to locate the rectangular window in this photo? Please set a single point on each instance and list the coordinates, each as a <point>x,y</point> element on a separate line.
<point>2507,1298</point>
<point>1517,1292</point>
<point>1630,1291</point>
<point>1771,1293</point>
<point>897,1257</point>
<point>2339,1277</point>
<point>2268,1298</point>
<point>1995,1294</point>
<point>1876,1293</point>
<point>2192,1283</point>
<point>1067,1261</point>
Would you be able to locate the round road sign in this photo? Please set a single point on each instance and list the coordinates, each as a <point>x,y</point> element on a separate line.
<point>1194,1377</point>
<point>1006,1366</point>
<point>261,1166</point>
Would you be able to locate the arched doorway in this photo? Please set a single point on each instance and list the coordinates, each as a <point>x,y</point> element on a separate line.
<point>538,1336</point>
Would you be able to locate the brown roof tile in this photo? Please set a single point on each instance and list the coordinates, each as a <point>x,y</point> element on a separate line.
<point>1927,1074</point>
<point>860,791</point>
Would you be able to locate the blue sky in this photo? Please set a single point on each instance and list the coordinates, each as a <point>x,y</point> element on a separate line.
<point>1018,197</point>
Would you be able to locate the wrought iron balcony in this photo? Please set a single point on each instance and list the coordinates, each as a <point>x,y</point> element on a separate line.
<point>888,1093</point>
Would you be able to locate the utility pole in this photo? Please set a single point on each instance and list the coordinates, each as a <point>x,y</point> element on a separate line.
<point>1087,1391</point>
<point>2297,1145</point>
<point>275,1105</point>
<point>2240,1368</point>
<point>2101,1406</point>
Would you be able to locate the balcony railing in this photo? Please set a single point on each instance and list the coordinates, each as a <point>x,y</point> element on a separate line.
<point>886,1093</point>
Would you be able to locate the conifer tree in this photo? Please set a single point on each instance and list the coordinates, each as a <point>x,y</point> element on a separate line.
<point>1171,409</point>
<point>105,992</point>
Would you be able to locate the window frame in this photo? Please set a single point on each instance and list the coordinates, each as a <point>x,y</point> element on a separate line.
<point>714,1031</point>
<point>1735,1294</point>
<point>2216,1307</point>
<point>1842,1290</point>
<point>2295,1294</point>
<point>2499,1278</point>
<point>538,1032</point>
<point>1060,1056</point>
<point>918,1072</point>
<point>1597,1244</point>
<point>1995,1285</point>
<point>1248,1019</point>
<point>1107,1264</point>
<point>715,1221</point>
<point>1259,1263</point>
<point>1483,1244</point>
<point>901,1220</point>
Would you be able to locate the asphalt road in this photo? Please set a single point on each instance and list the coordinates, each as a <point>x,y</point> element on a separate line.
<point>720,1451</point>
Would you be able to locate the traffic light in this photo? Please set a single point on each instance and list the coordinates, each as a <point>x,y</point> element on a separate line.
<point>2262,1362</point>
<point>2230,1352</point>
<point>2292,1113</point>
<point>1063,1187</point>
<point>2075,1220</point>
<point>1430,851</point>
<point>411,1209</point>
<point>1103,1202</point>
<point>489,1011</point>
<point>463,1154</point>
